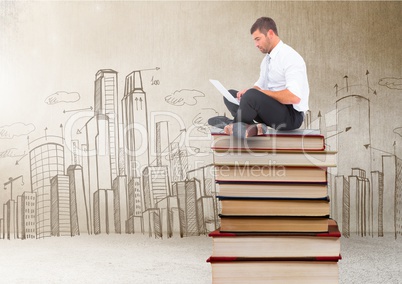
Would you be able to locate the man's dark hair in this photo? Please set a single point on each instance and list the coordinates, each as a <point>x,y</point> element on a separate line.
<point>264,24</point>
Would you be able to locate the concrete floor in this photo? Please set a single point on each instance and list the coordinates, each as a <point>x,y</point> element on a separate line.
<point>139,259</point>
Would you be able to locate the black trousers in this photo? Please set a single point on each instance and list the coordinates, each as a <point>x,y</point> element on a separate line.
<point>257,106</point>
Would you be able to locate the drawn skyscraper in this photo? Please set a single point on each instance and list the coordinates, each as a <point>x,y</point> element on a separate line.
<point>135,122</point>
<point>46,161</point>
<point>78,204</point>
<point>106,102</point>
<point>353,113</point>
<point>60,217</point>
<point>28,212</point>
<point>98,173</point>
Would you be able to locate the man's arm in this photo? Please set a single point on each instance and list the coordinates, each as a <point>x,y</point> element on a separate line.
<point>285,97</point>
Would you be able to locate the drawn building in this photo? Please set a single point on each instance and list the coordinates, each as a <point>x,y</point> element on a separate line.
<point>98,173</point>
<point>120,204</point>
<point>179,158</point>
<point>60,217</point>
<point>342,212</point>
<point>46,161</point>
<point>28,214</point>
<point>207,210</point>
<point>353,113</point>
<point>135,222</point>
<point>361,204</point>
<point>187,203</point>
<point>135,123</point>
<point>389,197</point>
<point>78,204</point>
<point>377,185</point>
<point>103,211</point>
<point>136,148</point>
<point>106,103</point>
<point>156,187</point>
<point>9,219</point>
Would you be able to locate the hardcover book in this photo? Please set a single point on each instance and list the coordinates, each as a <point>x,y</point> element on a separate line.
<point>257,173</point>
<point>280,244</point>
<point>269,189</point>
<point>313,142</point>
<point>273,223</point>
<point>274,206</point>
<point>313,270</point>
<point>275,158</point>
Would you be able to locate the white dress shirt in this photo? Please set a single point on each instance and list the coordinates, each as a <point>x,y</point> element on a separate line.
<point>286,70</point>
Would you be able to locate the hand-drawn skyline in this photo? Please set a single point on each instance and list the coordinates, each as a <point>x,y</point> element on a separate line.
<point>363,182</point>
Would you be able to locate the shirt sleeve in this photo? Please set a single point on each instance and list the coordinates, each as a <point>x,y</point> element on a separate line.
<point>295,76</point>
<point>297,81</point>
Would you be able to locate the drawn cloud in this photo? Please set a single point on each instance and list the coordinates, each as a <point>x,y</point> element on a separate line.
<point>201,119</point>
<point>391,83</point>
<point>184,97</point>
<point>12,152</point>
<point>62,97</point>
<point>15,130</point>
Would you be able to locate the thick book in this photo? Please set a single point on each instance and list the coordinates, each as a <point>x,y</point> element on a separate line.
<point>283,244</point>
<point>257,173</point>
<point>278,141</point>
<point>311,270</point>
<point>275,158</point>
<point>272,189</point>
<point>244,223</point>
<point>274,206</point>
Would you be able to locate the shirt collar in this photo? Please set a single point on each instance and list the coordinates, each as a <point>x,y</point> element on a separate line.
<point>276,49</point>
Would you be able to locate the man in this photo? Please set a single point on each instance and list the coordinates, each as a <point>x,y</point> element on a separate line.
<point>280,96</point>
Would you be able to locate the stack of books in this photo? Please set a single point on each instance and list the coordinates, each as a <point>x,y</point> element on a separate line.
<point>274,210</point>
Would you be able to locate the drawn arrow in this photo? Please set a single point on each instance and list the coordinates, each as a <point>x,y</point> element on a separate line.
<point>28,142</point>
<point>336,90</point>
<point>178,136</point>
<point>19,160</point>
<point>136,103</point>
<point>81,109</point>
<point>156,68</point>
<point>369,146</point>
<point>347,84</point>
<point>79,131</point>
<point>46,133</point>
<point>141,103</point>
<point>346,130</point>
<point>368,83</point>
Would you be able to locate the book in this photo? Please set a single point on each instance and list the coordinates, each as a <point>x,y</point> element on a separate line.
<point>281,244</point>
<point>270,131</point>
<point>269,189</point>
<point>246,223</point>
<point>275,158</point>
<point>274,206</point>
<point>281,141</point>
<point>232,270</point>
<point>259,173</point>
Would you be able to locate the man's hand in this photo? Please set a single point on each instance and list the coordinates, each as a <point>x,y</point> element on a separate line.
<point>241,93</point>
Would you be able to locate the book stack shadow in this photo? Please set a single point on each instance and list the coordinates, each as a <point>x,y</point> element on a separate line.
<point>274,210</point>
